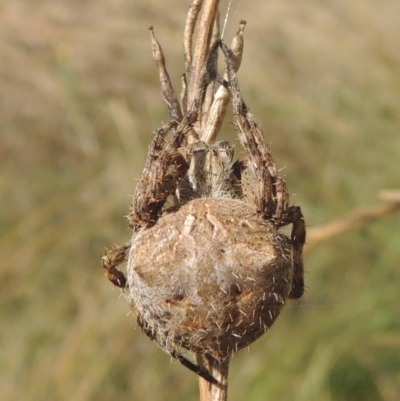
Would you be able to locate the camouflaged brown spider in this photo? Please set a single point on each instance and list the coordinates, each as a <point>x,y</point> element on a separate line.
<point>208,270</point>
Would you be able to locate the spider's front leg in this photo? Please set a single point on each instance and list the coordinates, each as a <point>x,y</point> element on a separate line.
<point>261,181</point>
<point>165,165</point>
<point>163,169</point>
<point>262,184</point>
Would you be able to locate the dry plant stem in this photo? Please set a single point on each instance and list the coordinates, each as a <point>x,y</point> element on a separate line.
<point>187,88</point>
<point>357,219</point>
<point>184,94</point>
<point>218,370</point>
<point>222,97</point>
<point>209,97</point>
<point>202,45</point>
<point>208,28</point>
<point>390,195</point>
<point>188,32</point>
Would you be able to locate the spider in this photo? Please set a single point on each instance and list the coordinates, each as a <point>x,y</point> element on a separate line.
<point>208,270</point>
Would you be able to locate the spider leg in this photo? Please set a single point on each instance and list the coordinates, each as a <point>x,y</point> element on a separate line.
<point>262,184</point>
<point>171,350</point>
<point>157,180</point>
<point>194,368</point>
<point>298,238</point>
<point>112,259</point>
<point>165,165</point>
<point>260,178</point>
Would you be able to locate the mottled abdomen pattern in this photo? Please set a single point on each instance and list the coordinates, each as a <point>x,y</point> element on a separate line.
<point>211,277</point>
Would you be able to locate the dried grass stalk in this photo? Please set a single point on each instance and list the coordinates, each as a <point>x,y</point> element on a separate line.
<point>222,97</point>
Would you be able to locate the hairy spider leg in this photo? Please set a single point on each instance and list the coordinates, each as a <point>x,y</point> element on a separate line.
<point>165,165</point>
<point>260,178</point>
<point>269,189</point>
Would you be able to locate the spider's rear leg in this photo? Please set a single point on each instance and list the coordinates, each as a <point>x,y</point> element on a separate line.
<point>298,238</point>
<point>170,349</point>
<point>194,368</point>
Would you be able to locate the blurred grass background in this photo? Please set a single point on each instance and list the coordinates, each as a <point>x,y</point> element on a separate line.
<point>79,98</point>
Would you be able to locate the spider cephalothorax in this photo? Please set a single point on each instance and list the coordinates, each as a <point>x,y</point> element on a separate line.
<point>208,270</point>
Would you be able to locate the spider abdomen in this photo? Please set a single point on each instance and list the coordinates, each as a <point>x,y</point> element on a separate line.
<point>210,277</point>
